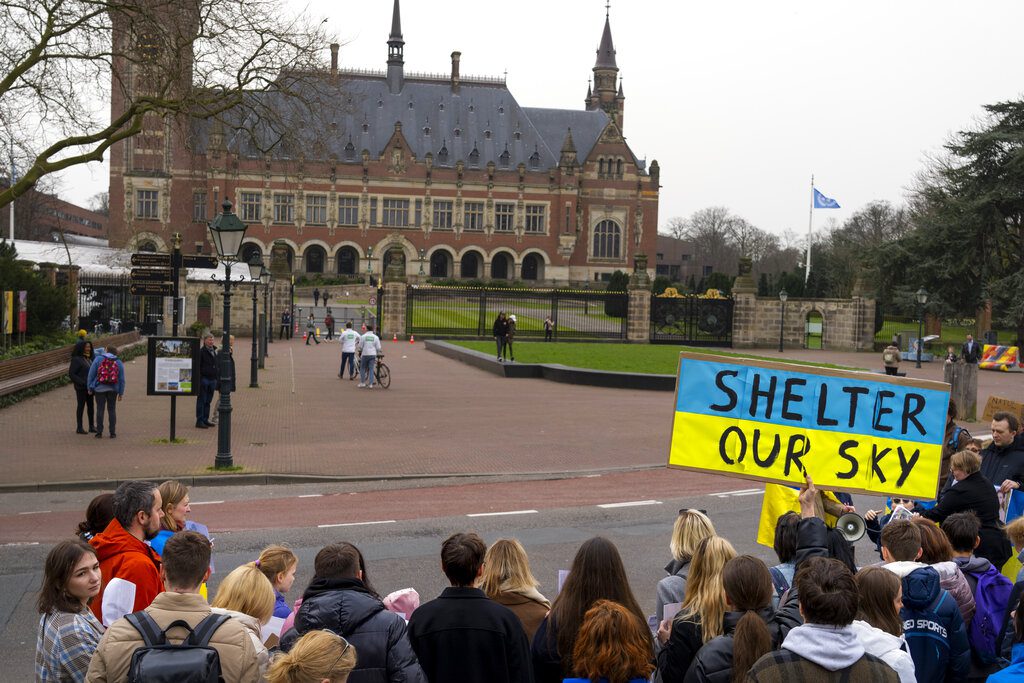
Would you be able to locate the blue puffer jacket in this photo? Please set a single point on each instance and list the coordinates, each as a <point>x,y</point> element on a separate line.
<point>345,607</point>
<point>932,625</point>
<point>1014,672</point>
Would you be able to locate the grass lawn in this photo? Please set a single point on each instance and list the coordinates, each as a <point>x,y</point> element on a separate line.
<point>644,358</point>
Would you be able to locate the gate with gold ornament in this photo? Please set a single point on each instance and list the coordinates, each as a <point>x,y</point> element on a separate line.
<point>697,320</point>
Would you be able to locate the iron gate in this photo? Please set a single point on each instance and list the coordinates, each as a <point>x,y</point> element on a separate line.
<point>691,320</point>
<point>106,304</point>
<point>471,312</point>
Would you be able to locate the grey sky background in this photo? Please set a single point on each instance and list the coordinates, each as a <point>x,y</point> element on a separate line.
<point>740,101</point>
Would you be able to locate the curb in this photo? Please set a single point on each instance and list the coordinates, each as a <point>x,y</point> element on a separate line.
<point>554,372</point>
<point>213,480</point>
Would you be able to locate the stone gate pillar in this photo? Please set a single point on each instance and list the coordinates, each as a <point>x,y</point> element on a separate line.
<point>638,313</point>
<point>744,308</point>
<point>395,294</point>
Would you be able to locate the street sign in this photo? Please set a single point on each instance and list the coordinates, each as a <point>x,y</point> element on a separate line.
<point>152,259</point>
<point>152,288</point>
<point>198,261</point>
<point>152,275</point>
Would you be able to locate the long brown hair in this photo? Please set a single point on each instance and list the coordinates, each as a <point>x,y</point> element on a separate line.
<point>97,516</point>
<point>596,573</point>
<point>613,645</point>
<point>935,546</point>
<point>878,588</point>
<point>748,585</point>
<point>60,564</point>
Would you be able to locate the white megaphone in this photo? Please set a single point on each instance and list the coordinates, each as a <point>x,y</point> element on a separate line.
<point>851,526</point>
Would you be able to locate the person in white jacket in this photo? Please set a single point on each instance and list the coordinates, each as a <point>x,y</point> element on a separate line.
<point>879,626</point>
<point>369,347</point>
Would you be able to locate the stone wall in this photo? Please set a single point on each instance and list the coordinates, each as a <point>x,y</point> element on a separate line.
<point>847,324</point>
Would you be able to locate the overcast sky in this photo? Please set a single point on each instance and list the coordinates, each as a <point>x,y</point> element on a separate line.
<point>740,101</point>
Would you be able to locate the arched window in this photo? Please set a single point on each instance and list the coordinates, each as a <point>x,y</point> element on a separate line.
<point>248,249</point>
<point>440,264</point>
<point>147,245</point>
<point>607,240</point>
<point>618,168</point>
<point>471,263</point>
<point>315,257</point>
<point>600,168</point>
<point>347,261</point>
<point>501,265</point>
<point>533,267</point>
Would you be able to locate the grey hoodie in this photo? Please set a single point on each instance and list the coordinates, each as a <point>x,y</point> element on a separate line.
<point>830,647</point>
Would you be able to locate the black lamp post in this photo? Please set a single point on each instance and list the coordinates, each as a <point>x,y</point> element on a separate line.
<point>369,260</point>
<point>265,329</point>
<point>423,253</point>
<point>922,299</point>
<point>255,267</point>
<point>227,232</point>
<point>782,321</point>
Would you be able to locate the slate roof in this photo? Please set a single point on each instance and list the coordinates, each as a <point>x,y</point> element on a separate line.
<point>360,113</point>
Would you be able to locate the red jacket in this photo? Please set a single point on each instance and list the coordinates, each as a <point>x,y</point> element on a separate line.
<point>131,574</point>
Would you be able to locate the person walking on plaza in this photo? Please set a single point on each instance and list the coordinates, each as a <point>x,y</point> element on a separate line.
<point>207,381</point>
<point>349,338</point>
<point>286,325</point>
<point>369,347</point>
<point>311,330</point>
<point>329,323</point>
<point>971,351</point>
<point>891,359</point>
<point>509,336</point>
<point>324,297</point>
<point>500,332</point>
<point>462,635</point>
<point>186,567</point>
<point>131,570</point>
<point>106,383</point>
<point>316,296</point>
<point>81,362</point>
<point>68,631</point>
<point>549,328</point>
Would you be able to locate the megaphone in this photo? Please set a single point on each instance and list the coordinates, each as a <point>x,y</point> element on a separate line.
<point>851,526</point>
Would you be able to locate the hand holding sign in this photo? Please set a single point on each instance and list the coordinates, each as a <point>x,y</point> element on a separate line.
<point>808,498</point>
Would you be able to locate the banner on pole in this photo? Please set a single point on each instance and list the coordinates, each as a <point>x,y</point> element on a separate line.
<point>23,311</point>
<point>8,321</point>
<point>774,422</point>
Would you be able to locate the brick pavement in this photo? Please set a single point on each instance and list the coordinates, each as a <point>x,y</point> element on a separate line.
<point>439,417</point>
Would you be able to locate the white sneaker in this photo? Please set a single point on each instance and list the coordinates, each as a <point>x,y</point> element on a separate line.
<point>361,385</point>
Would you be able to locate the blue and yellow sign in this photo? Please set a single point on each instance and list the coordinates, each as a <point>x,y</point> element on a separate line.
<point>851,431</point>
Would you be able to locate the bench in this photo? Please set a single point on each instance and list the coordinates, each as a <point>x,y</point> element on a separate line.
<point>25,372</point>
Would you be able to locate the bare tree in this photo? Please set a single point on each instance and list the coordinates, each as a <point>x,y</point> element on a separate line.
<point>165,59</point>
<point>100,203</point>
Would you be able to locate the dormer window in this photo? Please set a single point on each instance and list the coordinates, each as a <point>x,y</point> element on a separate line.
<point>517,135</point>
<point>501,109</point>
<point>441,106</point>
<point>474,156</point>
<point>426,130</point>
<point>411,105</point>
<point>505,157</point>
<point>366,127</point>
<point>535,159</point>
<point>380,104</point>
<point>350,151</point>
<point>458,132</point>
<point>487,134</point>
<point>442,155</point>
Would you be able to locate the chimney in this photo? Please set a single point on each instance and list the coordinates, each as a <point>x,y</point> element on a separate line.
<point>456,56</point>
<point>334,59</point>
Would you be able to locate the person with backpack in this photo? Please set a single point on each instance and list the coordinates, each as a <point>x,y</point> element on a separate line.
<point>106,384</point>
<point>208,645</point>
<point>891,359</point>
<point>1015,671</point>
<point>329,323</point>
<point>932,624</point>
<point>991,592</point>
<point>973,492</point>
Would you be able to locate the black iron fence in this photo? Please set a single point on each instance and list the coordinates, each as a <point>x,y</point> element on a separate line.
<point>106,304</point>
<point>471,312</point>
<point>691,320</point>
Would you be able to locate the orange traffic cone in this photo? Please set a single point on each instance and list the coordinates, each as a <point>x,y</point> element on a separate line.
<point>304,335</point>
<point>394,337</point>
<point>412,338</point>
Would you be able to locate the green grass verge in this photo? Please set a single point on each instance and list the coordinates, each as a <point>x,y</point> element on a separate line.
<point>177,440</point>
<point>234,469</point>
<point>641,358</point>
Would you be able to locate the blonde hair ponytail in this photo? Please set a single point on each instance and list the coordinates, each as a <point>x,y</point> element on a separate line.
<point>314,657</point>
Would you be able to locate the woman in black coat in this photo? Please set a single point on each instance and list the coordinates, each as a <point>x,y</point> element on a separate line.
<point>81,361</point>
<point>972,491</point>
<point>500,332</point>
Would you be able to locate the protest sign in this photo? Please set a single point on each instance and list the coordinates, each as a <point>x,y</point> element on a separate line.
<point>997,404</point>
<point>851,431</point>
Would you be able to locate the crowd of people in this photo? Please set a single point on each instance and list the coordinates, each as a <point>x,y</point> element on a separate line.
<point>933,606</point>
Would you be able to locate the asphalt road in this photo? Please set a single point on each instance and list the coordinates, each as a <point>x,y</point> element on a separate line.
<point>404,552</point>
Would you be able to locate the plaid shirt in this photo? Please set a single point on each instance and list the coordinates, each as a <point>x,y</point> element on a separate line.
<point>65,645</point>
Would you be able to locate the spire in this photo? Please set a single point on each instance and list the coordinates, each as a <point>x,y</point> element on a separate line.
<point>396,48</point>
<point>568,145</point>
<point>605,53</point>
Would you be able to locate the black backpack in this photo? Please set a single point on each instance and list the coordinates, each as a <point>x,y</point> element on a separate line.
<point>193,661</point>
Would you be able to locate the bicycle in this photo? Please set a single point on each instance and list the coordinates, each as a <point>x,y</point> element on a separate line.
<point>382,373</point>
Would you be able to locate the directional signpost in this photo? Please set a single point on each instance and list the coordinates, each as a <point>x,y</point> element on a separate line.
<point>151,274</point>
<point>151,260</point>
<point>199,261</point>
<point>151,288</point>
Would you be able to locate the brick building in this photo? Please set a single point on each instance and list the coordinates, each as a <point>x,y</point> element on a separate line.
<point>448,170</point>
<point>41,216</point>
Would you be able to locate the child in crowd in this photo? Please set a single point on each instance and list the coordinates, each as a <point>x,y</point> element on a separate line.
<point>278,563</point>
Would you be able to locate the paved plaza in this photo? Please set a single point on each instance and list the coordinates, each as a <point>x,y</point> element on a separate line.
<point>440,417</point>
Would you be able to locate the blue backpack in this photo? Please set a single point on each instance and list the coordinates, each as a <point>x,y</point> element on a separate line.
<point>991,596</point>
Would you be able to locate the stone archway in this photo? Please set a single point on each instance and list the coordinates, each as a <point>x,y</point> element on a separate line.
<point>471,266</point>
<point>814,330</point>
<point>441,264</point>
<point>533,267</point>
<point>501,266</point>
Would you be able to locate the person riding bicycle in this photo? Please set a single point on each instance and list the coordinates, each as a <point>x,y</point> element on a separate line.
<point>369,347</point>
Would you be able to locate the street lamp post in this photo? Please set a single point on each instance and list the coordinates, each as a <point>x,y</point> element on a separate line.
<point>265,329</point>
<point>423,253</point>
<point>922,299</point>
<point>782,321</point>
<point>227,232</point>
<point>255,267</point>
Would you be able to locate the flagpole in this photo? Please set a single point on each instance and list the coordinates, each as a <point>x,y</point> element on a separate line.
<point>11,180</point>
<point>810,224</point>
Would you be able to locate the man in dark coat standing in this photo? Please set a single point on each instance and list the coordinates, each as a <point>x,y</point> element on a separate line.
<point>463,635</point>
<point>971,351</point>
<point>208,375</point>
<point>1002,463</point>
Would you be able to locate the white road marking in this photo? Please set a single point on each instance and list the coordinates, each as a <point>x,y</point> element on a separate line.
<point>629,504</point>
<point>311,495</point>
<point>206,502</point>
<point>328,526</point>
<point>737,492</point>
<point>291,359</point>
<point>496,514</point>
<point>36,512</point>
<point>11,545</point>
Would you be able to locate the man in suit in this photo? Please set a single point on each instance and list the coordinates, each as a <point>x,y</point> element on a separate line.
<point>971,351</point>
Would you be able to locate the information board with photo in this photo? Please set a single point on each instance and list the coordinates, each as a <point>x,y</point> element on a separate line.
<point>173,363</point>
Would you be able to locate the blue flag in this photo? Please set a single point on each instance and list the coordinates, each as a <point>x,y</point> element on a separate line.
<point>823,202</point>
